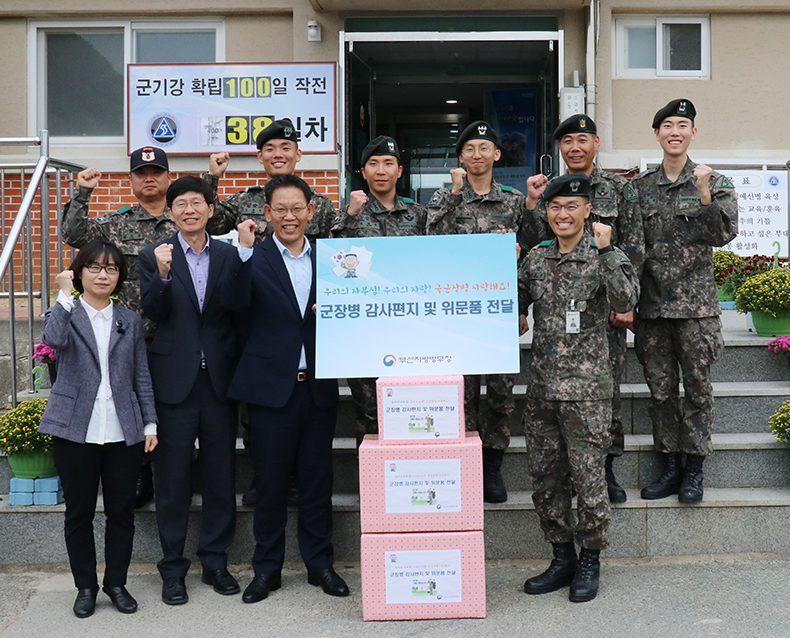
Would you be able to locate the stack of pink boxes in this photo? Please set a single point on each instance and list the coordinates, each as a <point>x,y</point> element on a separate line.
<point>421,502</point>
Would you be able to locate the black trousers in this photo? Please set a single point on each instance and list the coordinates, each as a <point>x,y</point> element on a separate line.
<point>81,466</point>
<point>203,416</point>
<point>294,439</point>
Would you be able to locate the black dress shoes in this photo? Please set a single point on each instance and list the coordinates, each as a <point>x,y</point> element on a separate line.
<point>174,591</point>
<point>260,587</point>
<point>122,599</point>
<point>330,582</point>
<point>85,604</point>
<point>223,582</point>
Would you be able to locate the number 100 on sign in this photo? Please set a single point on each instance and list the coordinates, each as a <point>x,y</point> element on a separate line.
<point>244,129</point>
<point>247,87</point>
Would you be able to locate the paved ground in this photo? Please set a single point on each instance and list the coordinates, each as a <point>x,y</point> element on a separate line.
<point>733,596</point>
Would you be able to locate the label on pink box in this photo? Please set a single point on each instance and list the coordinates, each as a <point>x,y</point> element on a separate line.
<point>421,488</point>
<point>420,409</point>
<point>424,575</point>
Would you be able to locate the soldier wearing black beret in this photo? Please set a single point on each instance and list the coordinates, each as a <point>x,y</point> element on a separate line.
<point>476,203</point>
<point>613,203</point>
<point>687,210</point>
<point>380,212</point>
<point>573,282</point>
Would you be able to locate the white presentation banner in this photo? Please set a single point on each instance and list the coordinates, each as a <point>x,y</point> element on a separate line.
<point>430,576</point>
<point>422,485</point>
<point>198,109</point>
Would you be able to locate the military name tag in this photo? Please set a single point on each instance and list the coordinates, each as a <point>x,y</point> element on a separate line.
<point>573,322</point>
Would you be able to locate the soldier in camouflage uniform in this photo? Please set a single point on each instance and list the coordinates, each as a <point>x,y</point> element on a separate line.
<point>687,209</point>
<point>478,204</point>
<point>574,283</point>
<point>382,213</point>
<point>614,203</point>
<point>279,152</point>
<point>131,228</point>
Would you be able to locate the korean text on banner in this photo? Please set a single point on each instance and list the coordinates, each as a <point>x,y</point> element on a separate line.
<point>198,109</point>
<point>404,306</point>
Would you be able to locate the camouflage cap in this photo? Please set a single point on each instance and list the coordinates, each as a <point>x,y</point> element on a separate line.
<point>568,185</point>
<point>579,123</point>
<point>382,145</point>
<point>479,130</point>
<point>283,129</point>
<point>148,156</point>
<point>676,108</point>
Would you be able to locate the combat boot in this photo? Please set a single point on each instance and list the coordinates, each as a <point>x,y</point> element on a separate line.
<point>585,583</point>
<point>691,487</point>
<point>669,482</point>
<point>616,493</point>
<point>558,575</point>
<point>493,487</point>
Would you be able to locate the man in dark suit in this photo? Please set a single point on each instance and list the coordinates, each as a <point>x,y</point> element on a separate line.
<point>192,358</point>
<point>292,414</point>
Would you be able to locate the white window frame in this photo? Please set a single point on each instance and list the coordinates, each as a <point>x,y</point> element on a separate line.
<point>619,58</point>
<point>36,58</point>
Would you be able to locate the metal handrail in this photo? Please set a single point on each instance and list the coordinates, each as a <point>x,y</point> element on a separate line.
<point>39,180</point>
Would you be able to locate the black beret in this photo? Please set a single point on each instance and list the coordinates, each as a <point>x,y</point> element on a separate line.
<point>479,130</point>
<point>148,156</point>
<point>382,145</point>
<point>568,185</point>
<point>579,123</point>
<point>679,108</point>
<point>278,130</point>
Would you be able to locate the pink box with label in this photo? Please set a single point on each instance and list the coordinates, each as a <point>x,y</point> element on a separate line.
<point>423,576</point>
<point>421,488</point>
<point>420,409</point>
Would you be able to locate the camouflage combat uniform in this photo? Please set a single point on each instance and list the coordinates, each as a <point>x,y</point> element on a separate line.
<point>469,213</point>
<point>569,389</point>
<point>614,203</point>
<point>679,311</point>
<point>406,218</point>
<point>248,204</point>
<point>130,228</point>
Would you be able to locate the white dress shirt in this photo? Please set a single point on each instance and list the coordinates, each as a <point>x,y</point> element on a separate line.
<point>104,426</point>
<point>300,271</point>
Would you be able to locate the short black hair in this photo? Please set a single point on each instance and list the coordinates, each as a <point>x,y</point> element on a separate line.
<point>189,184</point>
<point>286,181</point>
<point>100,252</point>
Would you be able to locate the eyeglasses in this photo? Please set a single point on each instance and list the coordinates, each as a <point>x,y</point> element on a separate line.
<point>95,268</point>
<point>570,207</point>
<point>483,149</point>
<point>281,211</point>
<point>182,204</point>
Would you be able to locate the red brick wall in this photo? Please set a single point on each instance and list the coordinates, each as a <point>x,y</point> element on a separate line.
<point>112,193</point>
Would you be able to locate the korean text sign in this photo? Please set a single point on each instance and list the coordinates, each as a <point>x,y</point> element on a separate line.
<point>404,306</point>
<point>207,108</point>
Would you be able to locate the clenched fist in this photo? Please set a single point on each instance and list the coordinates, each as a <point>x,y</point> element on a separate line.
<point>536,186</point>
<point>356,201</point>
<point>89,178</point>
<point>457,175</point>
<point>65,281</point>
<point>164,257</point>
<point>603,234</point>
<point>218,163</point>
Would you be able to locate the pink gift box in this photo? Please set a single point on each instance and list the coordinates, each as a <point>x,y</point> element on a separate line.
<point>421,488</point>
<point>423,576</point>
<point>420,409</point>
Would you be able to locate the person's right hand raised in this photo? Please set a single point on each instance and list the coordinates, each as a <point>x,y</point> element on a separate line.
<point>89,178</point>
<point>356,201</point>
<point>247,230</point>
<point>164,256</point>
<point>536,186</point>
<point>65,281</point>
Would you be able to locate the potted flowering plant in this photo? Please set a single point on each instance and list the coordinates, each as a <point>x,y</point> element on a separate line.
<point>29,451</point>
<point>45,354</point>
<point>732,276</point>
<point>780,423</point>
<point>767,297</point>
<point>723,259</point>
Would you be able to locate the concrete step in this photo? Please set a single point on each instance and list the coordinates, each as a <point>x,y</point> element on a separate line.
<point>729,521</point>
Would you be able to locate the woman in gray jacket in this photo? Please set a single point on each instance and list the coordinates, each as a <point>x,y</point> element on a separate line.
<point>101,415</point>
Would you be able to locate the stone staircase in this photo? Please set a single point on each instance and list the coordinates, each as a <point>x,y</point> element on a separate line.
<point>747,480</point>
